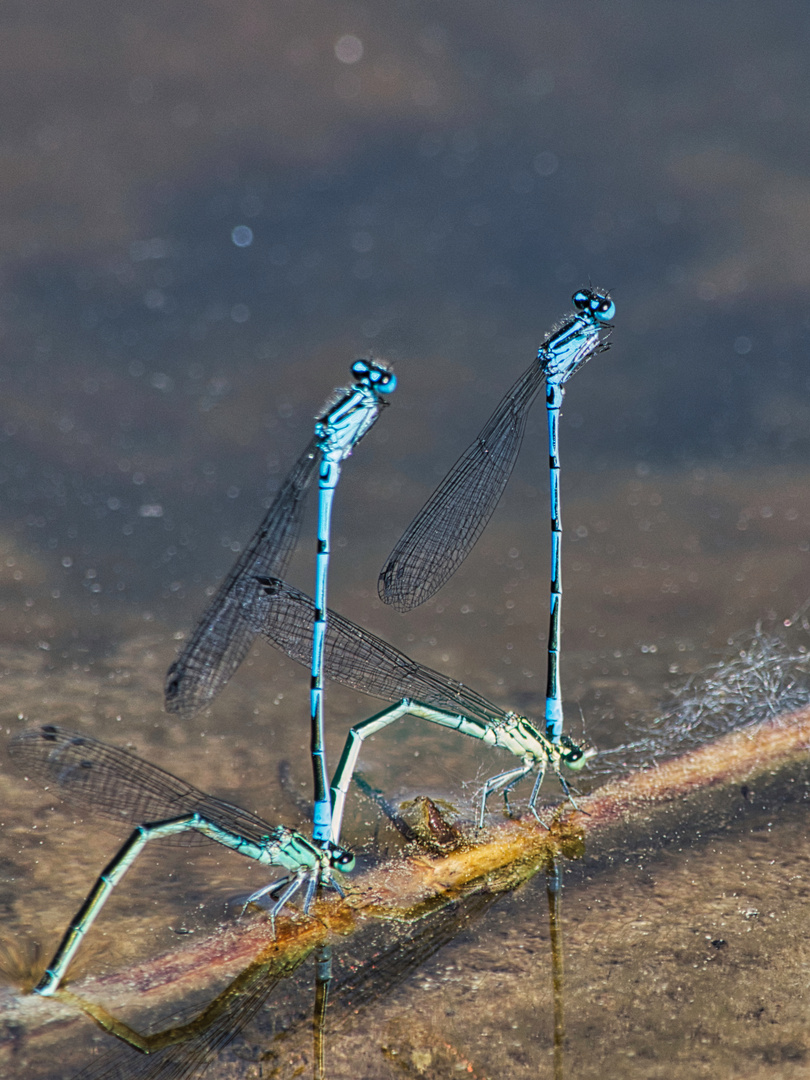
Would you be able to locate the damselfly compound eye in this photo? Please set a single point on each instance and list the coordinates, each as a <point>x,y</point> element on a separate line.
<point>582,300</point>
<point>360,369</point>
<point>343,860</point>
<point>602,308</point>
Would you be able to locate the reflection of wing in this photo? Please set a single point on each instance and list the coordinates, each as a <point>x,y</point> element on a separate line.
<point>369,979</point>
<point>367,970</point>
<point>447,527</point>
<point>185,1050</point>
<point>222,639</point>
<point>419,942</point>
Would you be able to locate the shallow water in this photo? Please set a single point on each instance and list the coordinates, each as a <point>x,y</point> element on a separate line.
<point>435,200</point>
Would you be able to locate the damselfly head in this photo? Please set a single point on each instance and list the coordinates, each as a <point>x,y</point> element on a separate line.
<point>598,305</point>
<point>572,754</point>
<point>375,373</point>
<point>341,859</point>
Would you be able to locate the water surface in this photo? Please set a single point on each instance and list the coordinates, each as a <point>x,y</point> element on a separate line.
<point>430,186</point>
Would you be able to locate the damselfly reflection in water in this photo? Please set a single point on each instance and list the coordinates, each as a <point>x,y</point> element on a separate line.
<point>360,974</point>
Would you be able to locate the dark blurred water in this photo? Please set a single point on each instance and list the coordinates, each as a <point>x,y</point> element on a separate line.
<point>209,210</point>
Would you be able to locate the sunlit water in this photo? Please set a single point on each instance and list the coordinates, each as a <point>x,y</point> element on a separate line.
<point>432,191</point>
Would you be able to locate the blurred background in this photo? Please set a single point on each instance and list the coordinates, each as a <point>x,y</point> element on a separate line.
<point>208,209</point>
